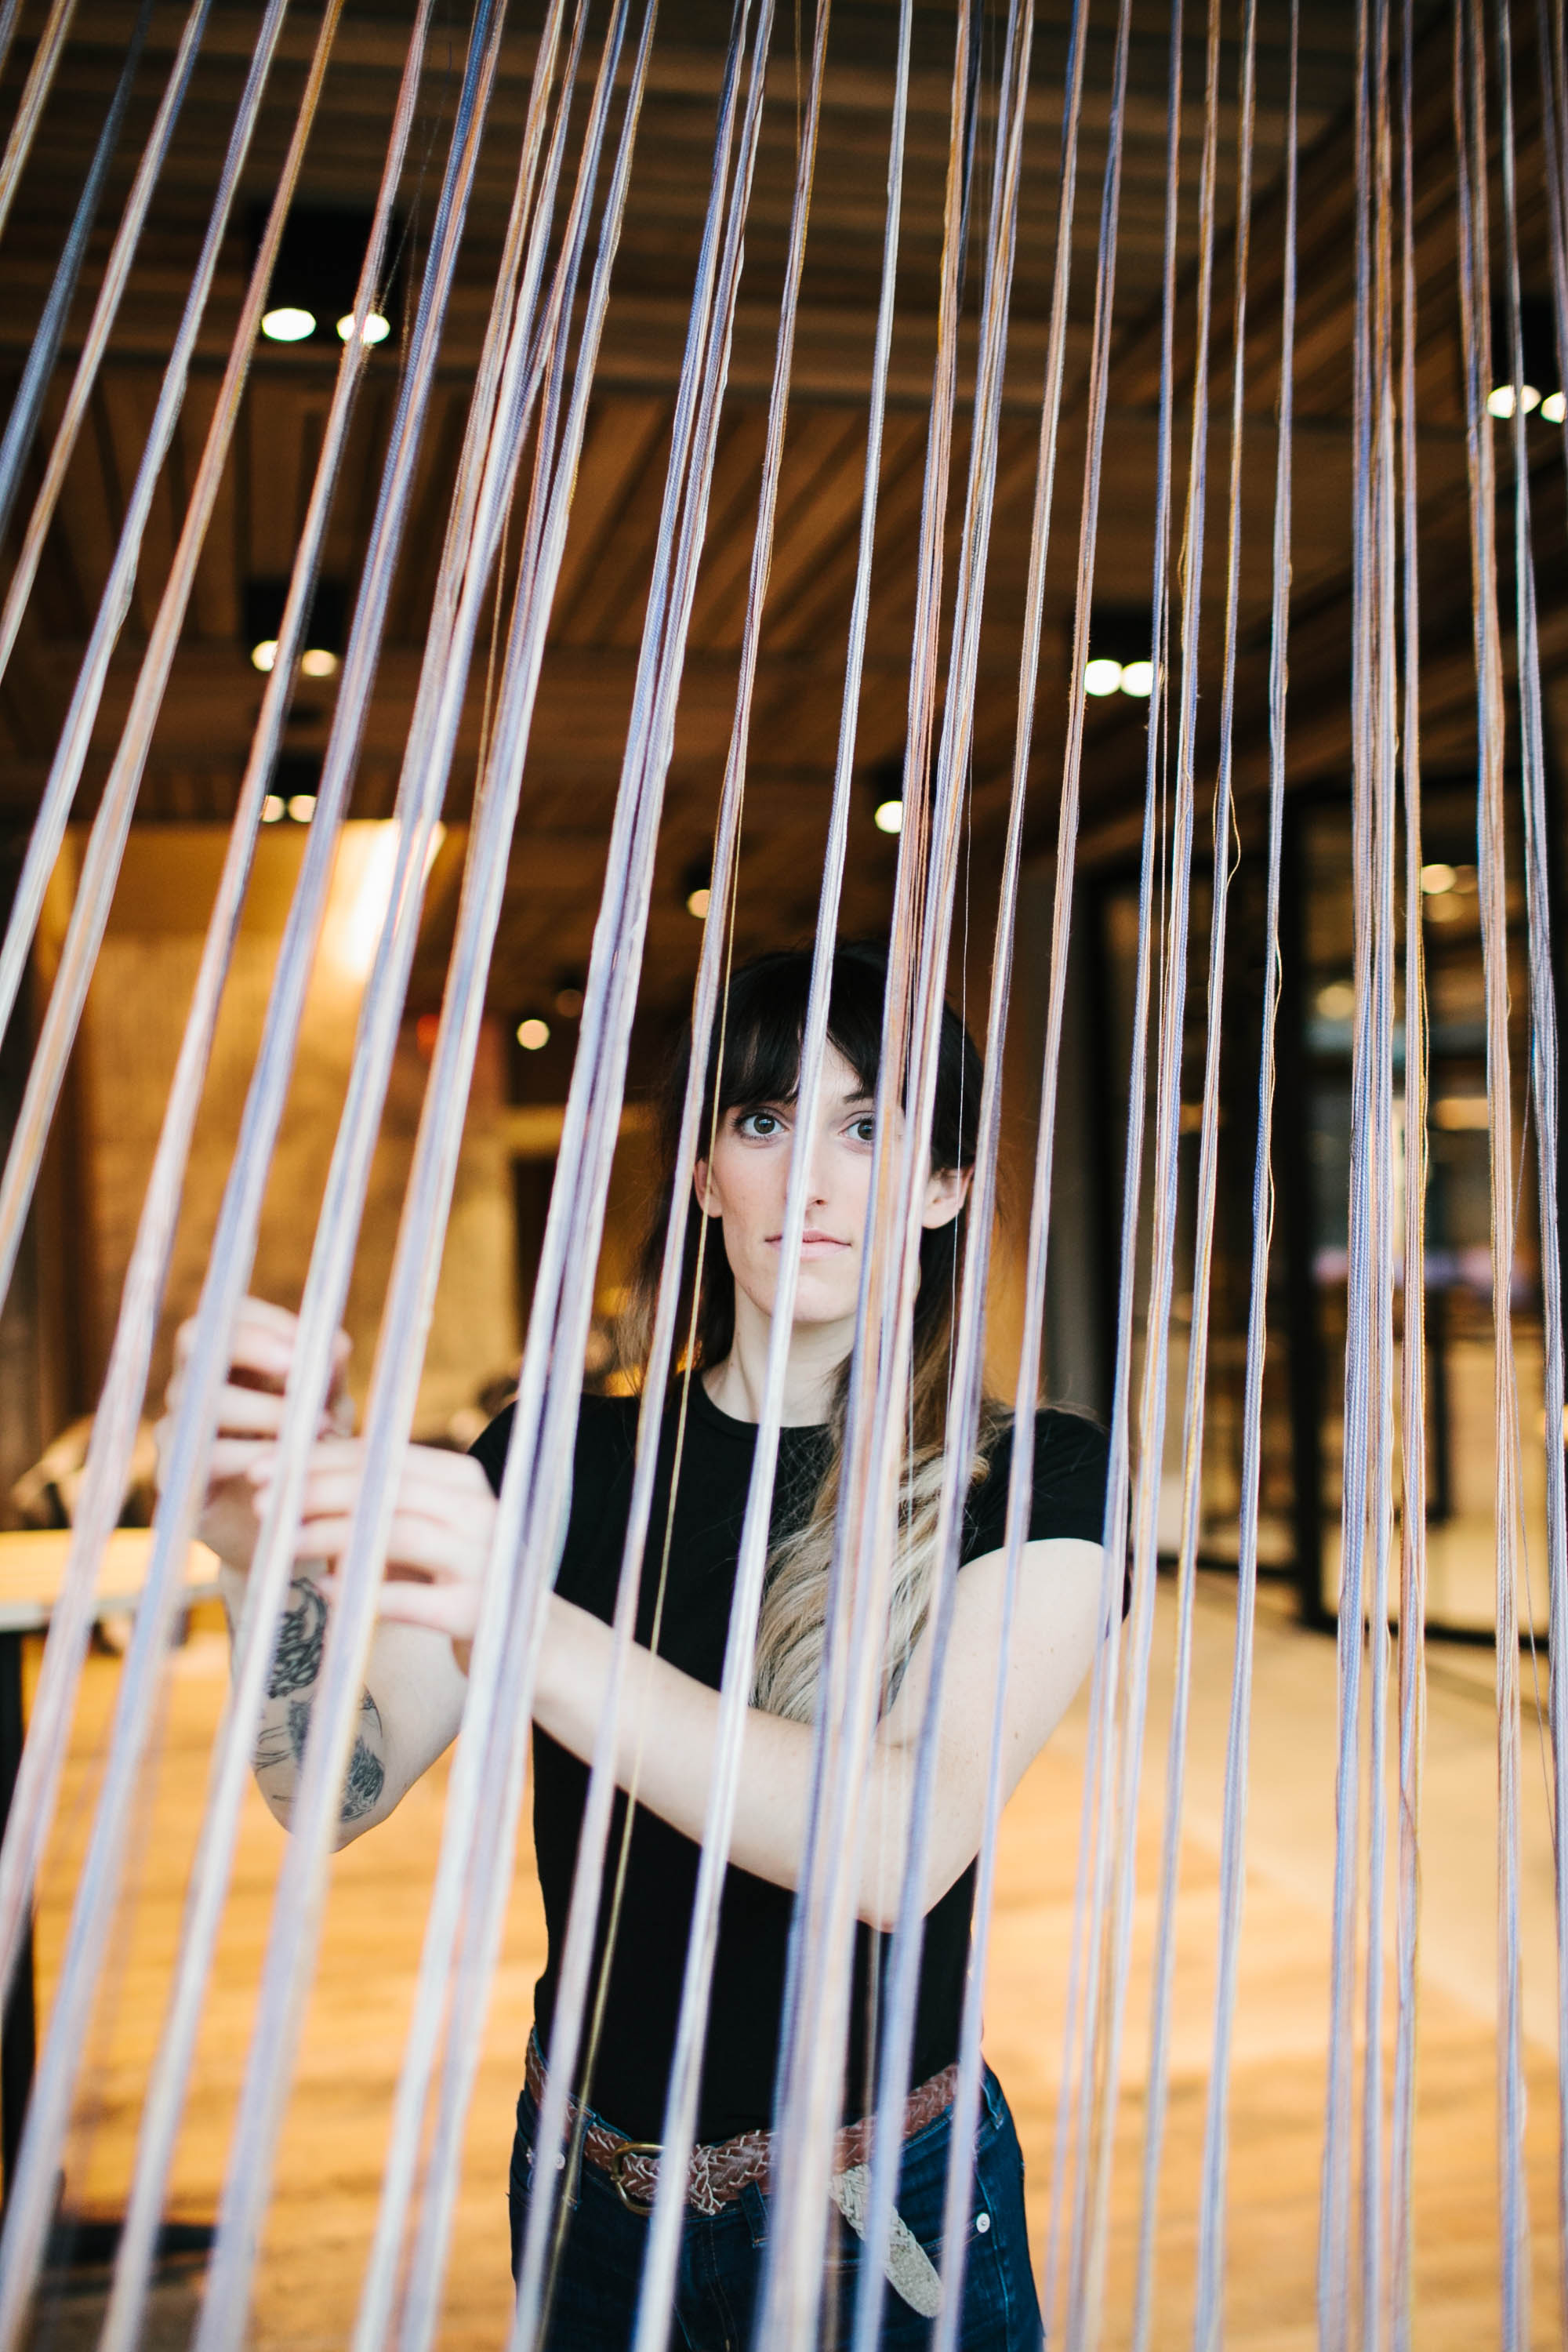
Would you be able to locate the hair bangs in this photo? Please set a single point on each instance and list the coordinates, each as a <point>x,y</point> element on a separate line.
<point>764,1022</point>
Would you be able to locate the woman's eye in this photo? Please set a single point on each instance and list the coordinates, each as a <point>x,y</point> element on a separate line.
<point>864,1131</point>
<point>757,1123</point>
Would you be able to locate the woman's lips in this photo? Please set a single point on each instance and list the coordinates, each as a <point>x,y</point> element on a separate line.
<point>811,1240</point>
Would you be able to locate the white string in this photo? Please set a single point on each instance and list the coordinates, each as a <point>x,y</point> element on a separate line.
<point>497,419</point>
<point>1071,2165</point>
<point>811,2063</point>
<point>48,826</point>
<point>1413,1402</point>
<point>1544,1063</point>
<point>30,398</point>
<point>34,93</point>
<point>966,1375</point>
<point>114,1425</point>
<point>1475,287</point>
<point>1164,1968</point>
<point>587,1883</point>
<point>1111,1910</point>
<point>1208,2316</point>
<point>1543,1036</point>
<point>229,1265</point>
<point>1338,2166</point>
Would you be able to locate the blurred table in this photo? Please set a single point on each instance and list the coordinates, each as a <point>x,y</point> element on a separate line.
<point>32,1577</point>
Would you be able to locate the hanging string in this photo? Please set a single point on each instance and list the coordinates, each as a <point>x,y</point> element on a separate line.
<point>1543,1036</point>
<point>1361,1299</point>
<point>810,2063</point>
<point>1109,1933</point>
<point>1474,289</point>
<point>48,826</point>
<point>1075,2097</point>
<point>126,1379</point>
<point>1207,2321</point>
<point>490,460</point>
<point>1163,1968</point>
<point>95,888</point>
<point>34,94</point>
<point>21,423</point>
<point>896,2037</point>
<point>1381,749</point>
<point>229,1265</point>
<point>1543,1050</point>
<point>583,1913</point>
<point>1413,1397</point>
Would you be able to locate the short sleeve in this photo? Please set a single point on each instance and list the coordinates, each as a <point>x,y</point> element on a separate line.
<point>1068,1498</point>
<point>488,1448</point>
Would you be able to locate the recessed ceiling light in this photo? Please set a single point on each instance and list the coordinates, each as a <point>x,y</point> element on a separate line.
<point>317,662</point>
<point>532,1033</point>
<point>263,654</point>
<point>1499,400</point>
<point>376,329</point>
<point>1101,676</point>
<point>287,324</point>
<point>1138,679</point>
<point>888,817</point>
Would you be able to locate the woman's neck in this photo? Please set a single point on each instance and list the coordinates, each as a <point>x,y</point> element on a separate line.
<point>816,1354</point>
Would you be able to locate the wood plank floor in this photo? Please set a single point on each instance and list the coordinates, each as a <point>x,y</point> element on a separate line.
<point>324,2210</point>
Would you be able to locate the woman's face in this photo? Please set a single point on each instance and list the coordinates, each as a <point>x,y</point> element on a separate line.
<point>745,1183</point>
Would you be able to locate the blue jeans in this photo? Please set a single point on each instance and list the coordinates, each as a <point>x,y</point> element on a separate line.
<point>722,2258</point>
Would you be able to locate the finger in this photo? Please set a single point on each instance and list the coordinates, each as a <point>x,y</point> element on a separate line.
<point>248,1412</point>
<point>424,1547</point>
<point>232,1458</point>
<point>438,1609</point>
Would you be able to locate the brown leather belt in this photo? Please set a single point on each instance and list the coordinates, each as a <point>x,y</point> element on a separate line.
<point>720,2170</point>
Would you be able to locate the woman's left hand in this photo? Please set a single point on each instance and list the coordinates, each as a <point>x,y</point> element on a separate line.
<point>439,1542</point>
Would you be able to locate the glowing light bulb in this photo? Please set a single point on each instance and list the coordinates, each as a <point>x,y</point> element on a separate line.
<point>317,662</point>
<point>1102,677</point>
<point>1436,878</point>
<point>532,1033</point>
<point>271,809</point>
<point>264,654</point>
<point>376,329</point>
<point>888,817</point>
<point>301,807</point>
<point>288,324</point>
<point>1138,679</point>
<point>1499,400</point>
<point>1337,1001</point>
<point>1553,408</point>
<point>697,902</point>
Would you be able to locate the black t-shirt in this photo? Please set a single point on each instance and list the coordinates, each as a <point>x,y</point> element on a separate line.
<point>646,1972</point>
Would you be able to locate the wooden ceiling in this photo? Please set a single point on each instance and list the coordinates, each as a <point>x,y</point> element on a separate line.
<point>585,696</point>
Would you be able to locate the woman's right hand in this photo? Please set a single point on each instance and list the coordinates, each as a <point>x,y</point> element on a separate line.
<point>250,1418</point>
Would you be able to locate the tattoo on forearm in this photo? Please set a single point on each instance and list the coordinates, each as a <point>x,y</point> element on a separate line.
<point>297,1661</point>
<point>283,1742</point>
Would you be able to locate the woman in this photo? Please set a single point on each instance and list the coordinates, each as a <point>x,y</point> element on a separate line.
<point>415,1686</point>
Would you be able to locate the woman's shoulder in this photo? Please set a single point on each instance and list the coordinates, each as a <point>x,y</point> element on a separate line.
<point>606,1433</point>
<point>1068,1488</point>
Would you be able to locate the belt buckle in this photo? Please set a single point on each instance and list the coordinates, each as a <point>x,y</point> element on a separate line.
<point>619,2154</point>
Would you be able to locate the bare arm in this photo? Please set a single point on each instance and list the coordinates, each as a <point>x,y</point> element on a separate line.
<point>669,1728</point>
<point>667,1734</point>
<point>415,1672</point>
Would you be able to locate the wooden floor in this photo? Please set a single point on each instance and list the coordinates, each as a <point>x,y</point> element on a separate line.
<point>324,2210</point>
